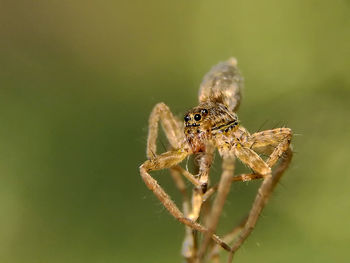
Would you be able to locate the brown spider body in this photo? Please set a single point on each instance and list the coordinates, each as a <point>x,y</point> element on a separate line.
<point>209,123</point>
<point>213,124</point>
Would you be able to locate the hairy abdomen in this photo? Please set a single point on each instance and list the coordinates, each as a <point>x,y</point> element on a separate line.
<point>223,84</point>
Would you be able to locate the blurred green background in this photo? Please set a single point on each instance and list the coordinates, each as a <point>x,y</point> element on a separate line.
<point>78,80</point>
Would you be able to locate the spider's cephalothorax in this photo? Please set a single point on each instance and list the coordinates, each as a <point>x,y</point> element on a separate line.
<point>209,122</point>
<point>213,124</point>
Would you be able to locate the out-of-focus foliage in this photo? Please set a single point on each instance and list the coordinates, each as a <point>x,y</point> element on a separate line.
<point>79,79</point>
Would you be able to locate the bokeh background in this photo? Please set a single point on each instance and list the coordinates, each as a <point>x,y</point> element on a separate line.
<point>78,80</point>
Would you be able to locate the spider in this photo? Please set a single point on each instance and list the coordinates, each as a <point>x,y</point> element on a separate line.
<point>211,125</point>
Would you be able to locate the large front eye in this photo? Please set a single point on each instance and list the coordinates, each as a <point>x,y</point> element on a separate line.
<point>197,117</point>
<point>187,118</point>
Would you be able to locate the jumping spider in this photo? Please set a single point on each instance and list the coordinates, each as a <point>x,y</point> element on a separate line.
<point>213,124</point>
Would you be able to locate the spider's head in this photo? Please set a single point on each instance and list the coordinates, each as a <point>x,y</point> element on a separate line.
<point>197,127</point>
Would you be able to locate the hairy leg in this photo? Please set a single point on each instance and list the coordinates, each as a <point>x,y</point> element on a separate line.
<point>237,178</point>
<point>254,161</point>
<point>265,142</point>
<point>272,142</point>
<point>171,127</point>
<point>167,160</point>
<point>280,140</point>
<point>200,182</point>
<point>260,202</point>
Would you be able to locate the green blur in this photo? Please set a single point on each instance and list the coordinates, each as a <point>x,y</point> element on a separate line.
<point>78,81</point>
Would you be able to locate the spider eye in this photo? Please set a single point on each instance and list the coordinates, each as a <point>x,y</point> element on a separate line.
<point>197,117</point>
<point>187,118</point>
<point>204,111</point>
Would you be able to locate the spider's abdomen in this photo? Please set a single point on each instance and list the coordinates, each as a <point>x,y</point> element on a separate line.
<point>223,84</point>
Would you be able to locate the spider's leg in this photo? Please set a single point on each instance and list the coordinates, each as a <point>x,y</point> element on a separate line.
<point>197,196</point>
<point>190,177</point>
<point>259,201</point>
<point>163,161</point>
<point>171,127</point>
<point>276,174</point>
<point>237,178</point>
<point>253,160</point>
<point>279,139</point>
<point>272,142</point>
<point>276,142</point>
<point>223,190</point>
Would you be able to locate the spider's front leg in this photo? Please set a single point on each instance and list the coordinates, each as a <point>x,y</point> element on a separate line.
<point>163,161</point>
<point>276,141</point>
<point>171,127</point>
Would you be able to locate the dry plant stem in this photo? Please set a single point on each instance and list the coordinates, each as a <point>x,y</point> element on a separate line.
<point>223,190</point>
